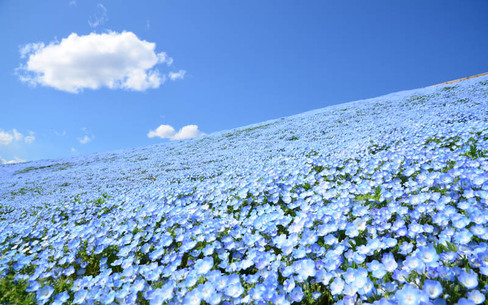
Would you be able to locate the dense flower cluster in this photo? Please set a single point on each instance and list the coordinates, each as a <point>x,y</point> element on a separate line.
<point>381,201</point>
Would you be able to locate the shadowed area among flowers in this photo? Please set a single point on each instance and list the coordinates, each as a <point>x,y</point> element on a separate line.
<point>379,201</point>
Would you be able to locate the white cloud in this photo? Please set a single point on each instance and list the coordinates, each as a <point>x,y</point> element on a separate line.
<point>168,132</point>
<point>60,134</point>
<point>163,132</point>
<point>177,75</point>
<point>72,3</point>
<point>113,60</point>
<point>30,138</point>
<point>99,18</point>
<point>73,149</point>
<point>85,139</point>
<point>8,137</point>
<point>30,48</point>
<point>189,131</point>
<point>15,160</point>
<point>17,135</point>
<point>5,138</point>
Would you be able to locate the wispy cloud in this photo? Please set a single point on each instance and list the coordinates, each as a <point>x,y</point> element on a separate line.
<point>30,138</point>
<point>113,60</point>
<point>168,132</point>
<point>99,17</point>
<point>177,75</point>
<point>85,139</point>
<point>88,137</point>
<point>60,133</point>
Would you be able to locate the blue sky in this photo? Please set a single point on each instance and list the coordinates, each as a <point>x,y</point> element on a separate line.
<point>89,76</point>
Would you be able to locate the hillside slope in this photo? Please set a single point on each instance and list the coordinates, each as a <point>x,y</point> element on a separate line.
<point>380,199</point>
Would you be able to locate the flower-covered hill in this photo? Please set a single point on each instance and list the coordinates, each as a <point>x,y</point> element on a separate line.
<point>379,201</point>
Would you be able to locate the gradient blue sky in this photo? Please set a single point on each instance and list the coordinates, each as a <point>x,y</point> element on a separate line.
<point>244,62</point>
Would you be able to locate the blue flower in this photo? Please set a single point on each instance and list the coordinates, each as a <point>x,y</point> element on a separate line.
<point>432,288</point>
<point>80,296</point>
<point>389,262</point>
<point>61,298</point>
<point>464,301</point>
<point>296,294</point>
<point>377,269</point>
<point>337,286</point>
<point>192,298</point>
<point>44,293</point>
<point>234,290</point>
<point>408,295</point>
<point>469,280</point>
<point>428,255</point>
<point>202,266</point>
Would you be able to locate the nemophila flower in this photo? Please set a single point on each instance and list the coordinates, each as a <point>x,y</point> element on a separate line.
<point>296,294</point>
<point>305,268</point>
<point>414,263</point>
<point>432,288</point>
<point>44,293</point>
<point>389,262</point>
<point>234,290</point>
<point>162,294</point>
<point>257,292</point>
<point>468,279</point>
<point>204,265</point>
<point>464,301</point>
<point>192,298</point>
<point>383,301</point>
<point>80,296</point>
<point>206,291</point>
<point>463,237</point>
<point>109,297</point>
<point>61,298</point>
<point>337,286</point>
<point>406,248</point>
<point>428,255</point>
<point>279,299</point>
<point>408,295</point>
<point>476,296</point>
<point>323,276</point>
<point>33,286</point>
<point>377,269</point>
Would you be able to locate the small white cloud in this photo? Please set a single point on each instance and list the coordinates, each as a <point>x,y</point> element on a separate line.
<point>148,24</point>
<point>168,132</point>
<point>73,149</point>
<point>72,3</point>
<point>163,132</point>
<point>15,160</point>
<point>189,131</point>
<point>99,17</point>
<point>60,134</point>
<point>164,58</point>
<point>113,60</point>
<point>30,138</point>
<point>85,139</point>
<point>177,75</point>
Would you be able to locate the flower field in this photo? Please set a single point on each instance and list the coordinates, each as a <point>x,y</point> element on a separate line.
<point>379,201</point>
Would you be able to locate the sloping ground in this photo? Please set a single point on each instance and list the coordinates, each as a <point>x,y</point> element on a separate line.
<point>381,200</point>
<point>461,79</point>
